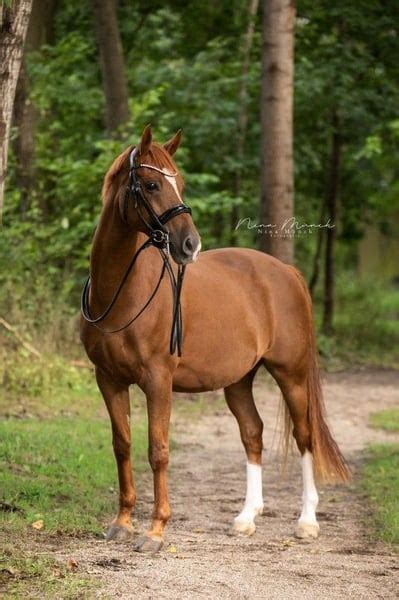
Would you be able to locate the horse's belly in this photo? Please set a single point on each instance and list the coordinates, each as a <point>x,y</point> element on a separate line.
<point>207,380</point>
<point>226,358</point>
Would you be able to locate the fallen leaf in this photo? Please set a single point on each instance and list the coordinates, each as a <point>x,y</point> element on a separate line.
<point>10,570</point>
<point>172,549</point>
<point>38,524</point>
<point>72,565</point>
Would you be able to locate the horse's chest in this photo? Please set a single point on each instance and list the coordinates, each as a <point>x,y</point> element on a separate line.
<point>116,355</point>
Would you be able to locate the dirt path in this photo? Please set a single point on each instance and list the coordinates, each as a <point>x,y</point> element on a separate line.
<point>204,559</point>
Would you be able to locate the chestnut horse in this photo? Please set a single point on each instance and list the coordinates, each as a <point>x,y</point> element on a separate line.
<point>242,309</point>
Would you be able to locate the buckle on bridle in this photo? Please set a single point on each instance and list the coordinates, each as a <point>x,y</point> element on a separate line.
<point>160,239</point>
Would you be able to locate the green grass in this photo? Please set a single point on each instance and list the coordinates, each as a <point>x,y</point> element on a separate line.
<point>61,471</point>
<point>381,479</point>
<point>24,575</point>
<point>56,468</point>
<point>56,458</point>
<point>386,419</point>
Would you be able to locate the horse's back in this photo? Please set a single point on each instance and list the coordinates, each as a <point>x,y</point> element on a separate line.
<point>253,275</point>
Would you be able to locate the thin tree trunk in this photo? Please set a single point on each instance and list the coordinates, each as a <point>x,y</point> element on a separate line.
<point>277,172</point>
<point>112,64</point>
<point>14,21</point>
<point>24,119</point>
<point>243,111</point>
<point>319,248</point>
<point>217,227</point>
<point>40,31</point>
<point>331,233</point>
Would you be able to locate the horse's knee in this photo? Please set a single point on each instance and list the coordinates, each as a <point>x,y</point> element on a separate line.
<point>159,457</point>
<point>121,448</point>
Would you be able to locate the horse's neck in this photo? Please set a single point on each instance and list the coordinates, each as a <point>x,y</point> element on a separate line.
<point>113,247</point>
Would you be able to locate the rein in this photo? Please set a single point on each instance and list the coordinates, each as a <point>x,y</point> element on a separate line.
<point>159,238</point>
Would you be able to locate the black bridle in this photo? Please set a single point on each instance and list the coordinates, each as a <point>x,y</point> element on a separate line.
<point>158,236</point>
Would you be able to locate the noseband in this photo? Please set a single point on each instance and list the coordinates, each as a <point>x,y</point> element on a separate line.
<point>158,236</point>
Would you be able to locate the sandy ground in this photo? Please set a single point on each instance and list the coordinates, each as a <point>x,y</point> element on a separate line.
<point>203,558</point>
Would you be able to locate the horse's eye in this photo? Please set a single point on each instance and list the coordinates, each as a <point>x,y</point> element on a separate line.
<point>151,186</point>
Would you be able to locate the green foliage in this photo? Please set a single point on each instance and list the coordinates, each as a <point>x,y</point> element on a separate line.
<point>183,63</point>
<point>366,324</point>
<point>381,482</point>
<point>52,377</point>
<point>345,82</point>
<point>50,245</point>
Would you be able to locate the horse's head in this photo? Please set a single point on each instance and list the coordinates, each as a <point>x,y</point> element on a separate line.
<point>154,202</point>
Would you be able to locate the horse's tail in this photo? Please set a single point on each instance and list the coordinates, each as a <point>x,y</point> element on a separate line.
<point>329,464</point>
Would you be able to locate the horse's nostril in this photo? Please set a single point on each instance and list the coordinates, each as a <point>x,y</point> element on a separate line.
<point>188,245</point>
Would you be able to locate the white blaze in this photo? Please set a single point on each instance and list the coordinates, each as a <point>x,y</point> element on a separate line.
<point>172,180</point>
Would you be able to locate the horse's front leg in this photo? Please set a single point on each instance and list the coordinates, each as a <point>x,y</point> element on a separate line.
<point>158,390</point>
<point>116,398</point>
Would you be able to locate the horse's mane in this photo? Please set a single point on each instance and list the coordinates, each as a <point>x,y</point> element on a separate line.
<point>156,155</point>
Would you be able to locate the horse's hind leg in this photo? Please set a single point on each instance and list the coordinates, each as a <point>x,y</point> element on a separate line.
<point>241,403</point>
<point>295,394</point>
<point>117,401</point>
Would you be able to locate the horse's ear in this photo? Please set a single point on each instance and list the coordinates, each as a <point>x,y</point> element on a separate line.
<point>145,142</point>
<point>172,145</point>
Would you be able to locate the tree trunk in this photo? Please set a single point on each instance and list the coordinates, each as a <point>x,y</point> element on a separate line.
<point>40,31</point>
<point>14,21</point>
<point>112,64</point>
<point>277,173</point>
<point>319,248</point>
<point>24,120</point>
<point>331,233</point>
<point>243,111</point>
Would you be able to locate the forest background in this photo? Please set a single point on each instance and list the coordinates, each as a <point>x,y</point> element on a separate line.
<point>197,66</point>
<point>92,75</point>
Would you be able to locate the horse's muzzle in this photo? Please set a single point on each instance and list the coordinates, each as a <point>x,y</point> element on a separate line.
<point>186,250</point>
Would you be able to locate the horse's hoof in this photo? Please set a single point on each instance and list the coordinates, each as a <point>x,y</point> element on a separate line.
<point>119,533</point>
<point>148,544</point>
<point>246,527</point>
<point>306,531</point>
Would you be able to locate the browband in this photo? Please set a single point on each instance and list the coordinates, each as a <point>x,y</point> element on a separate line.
<point>166,173</point>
